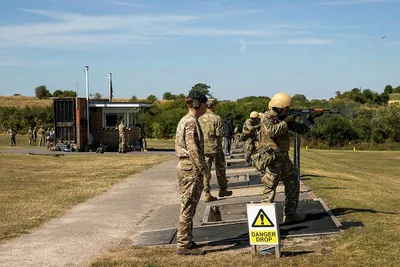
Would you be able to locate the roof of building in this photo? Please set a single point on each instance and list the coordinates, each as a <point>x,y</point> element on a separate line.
<point>106,104</point>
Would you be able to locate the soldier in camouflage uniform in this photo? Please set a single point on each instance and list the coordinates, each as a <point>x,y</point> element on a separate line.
<point>192,169</point>
<point>12,134</point>
<point>250,128</point>
<point>275,129</point>
<point>211,125</point>
<point>42,134</point>
<point>30,136</point>
<point>34,136</point>
<point>122,138</point>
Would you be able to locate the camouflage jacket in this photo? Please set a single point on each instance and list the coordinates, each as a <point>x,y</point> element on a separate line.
<point>121,129</point>
<point>30,133</point>
<point>250,129</point>
<point>211,125</point>
<point>189,142</point>
<point>275,133</point>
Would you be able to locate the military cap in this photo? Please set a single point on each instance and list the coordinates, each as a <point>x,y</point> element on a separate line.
<point>211,102</point>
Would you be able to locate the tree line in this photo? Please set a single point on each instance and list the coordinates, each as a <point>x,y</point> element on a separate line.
<point>365,116</point>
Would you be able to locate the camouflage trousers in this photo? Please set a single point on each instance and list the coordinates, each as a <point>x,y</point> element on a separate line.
<point>121,147</point>
<point>219,161</point>
<point>190,181</point>
<point>250,149</point>
<point>282,169</point>
<point>42,140</point>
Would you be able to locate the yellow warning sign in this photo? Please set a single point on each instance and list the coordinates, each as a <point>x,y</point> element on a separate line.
<point>262,220</point>
<point>263,237</point>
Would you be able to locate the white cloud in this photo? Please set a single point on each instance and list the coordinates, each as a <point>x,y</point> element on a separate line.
<point>351,2</point>
<point>243,44</point>
<point>123,3</point>
<point>69,30</point>
<point>308,41</point>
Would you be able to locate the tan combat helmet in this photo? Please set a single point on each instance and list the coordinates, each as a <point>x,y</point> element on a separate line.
<point>254,115</point>
<point>280,100</point>
<point>260,115</point>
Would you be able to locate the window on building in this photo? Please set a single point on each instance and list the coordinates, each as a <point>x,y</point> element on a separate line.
<point>113,119</point>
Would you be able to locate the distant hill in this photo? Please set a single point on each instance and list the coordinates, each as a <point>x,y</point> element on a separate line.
<point>23,101</point>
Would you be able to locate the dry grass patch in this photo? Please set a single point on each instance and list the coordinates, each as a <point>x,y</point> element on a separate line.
<point>24,101</point>
<point>34,189</point>
<point>359,187</point>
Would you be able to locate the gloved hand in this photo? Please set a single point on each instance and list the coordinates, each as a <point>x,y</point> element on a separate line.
<point>290,119</point>
<point>315,115</point>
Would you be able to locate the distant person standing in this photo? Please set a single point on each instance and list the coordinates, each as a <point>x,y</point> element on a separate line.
<point>34,135</point>
<point>30,136</point>
<point>42,135</point>
<point>12,134</point>
<point>122,138</point>
<point>228,133</point>
<point>192,169</point>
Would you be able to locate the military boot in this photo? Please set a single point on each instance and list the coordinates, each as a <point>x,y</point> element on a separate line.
<point>209,197</point>
<point>293,218</point>
<point>224,193</point>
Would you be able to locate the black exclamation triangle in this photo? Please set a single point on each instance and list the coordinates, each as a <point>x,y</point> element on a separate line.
<point>262,218</point>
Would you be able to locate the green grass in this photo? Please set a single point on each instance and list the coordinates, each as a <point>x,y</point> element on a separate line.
<point>34,189</point>
<point>360,186</point>
<point>161,143</point>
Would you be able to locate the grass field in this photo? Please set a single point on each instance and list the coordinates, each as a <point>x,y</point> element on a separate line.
<point>34,189</point>
<point>360,187</point>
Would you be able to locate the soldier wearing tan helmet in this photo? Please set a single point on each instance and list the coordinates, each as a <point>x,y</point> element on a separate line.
<point>274,138</point>
<point>249,131</point>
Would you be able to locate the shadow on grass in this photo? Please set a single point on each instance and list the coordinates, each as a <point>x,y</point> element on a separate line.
<point>309,176</point>
<point>344,211</point>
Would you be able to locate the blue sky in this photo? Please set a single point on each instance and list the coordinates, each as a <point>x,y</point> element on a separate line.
<point>239,48</point>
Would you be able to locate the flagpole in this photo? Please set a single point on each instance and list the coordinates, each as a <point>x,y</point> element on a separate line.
<point>110,89</point>
<point>87,104</point>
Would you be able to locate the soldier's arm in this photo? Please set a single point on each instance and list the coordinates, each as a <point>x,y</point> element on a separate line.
<point>299,128</point>
<point>195,152</point>
<point>219,129</point>
<point>251,127</point>
<point>274,129</point>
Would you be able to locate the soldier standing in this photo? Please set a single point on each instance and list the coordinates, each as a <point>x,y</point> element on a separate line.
<point>275,134</point>
<point>34,135</point>
<point>192,169</point>
<point>250,128</point>
<point>42,135</point>
<point>12,134</point>
<point>211,125</point>
<point>30,136</point>
<point>122,138</point>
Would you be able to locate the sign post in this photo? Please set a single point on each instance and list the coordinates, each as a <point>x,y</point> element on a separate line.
<point>263,226</point>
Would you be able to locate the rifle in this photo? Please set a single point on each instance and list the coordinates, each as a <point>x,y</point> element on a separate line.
<point>315,111</point>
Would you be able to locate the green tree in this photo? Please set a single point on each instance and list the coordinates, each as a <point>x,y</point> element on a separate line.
<point>133,99</point>
<point>41,92</point>
<point>58,93</point>
<point>97,96</point>
<point>202,87</point>
<point>151,99</point>
<point>168,96</point>
<point>300,101</point>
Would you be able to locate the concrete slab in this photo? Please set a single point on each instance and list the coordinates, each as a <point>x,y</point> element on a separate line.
<point>318,222</point>
<point>237,180</point>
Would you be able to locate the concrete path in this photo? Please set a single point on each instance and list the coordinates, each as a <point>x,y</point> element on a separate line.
<point>88,229</point>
